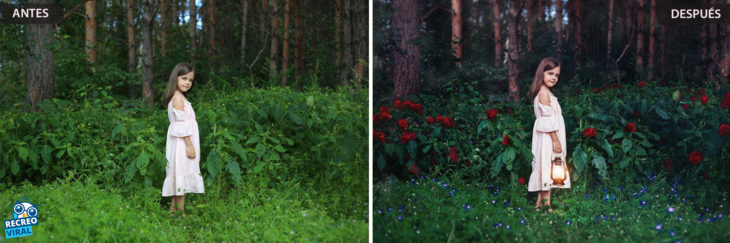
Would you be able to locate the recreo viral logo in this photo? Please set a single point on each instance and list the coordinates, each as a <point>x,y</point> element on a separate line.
<point>25,215</point>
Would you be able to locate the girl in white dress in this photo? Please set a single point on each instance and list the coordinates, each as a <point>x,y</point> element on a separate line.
<point>548,134</point>
<point>183,141</point>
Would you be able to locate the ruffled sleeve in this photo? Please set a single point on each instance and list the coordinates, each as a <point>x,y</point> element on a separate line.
<point>546,122</point>
<point>180,127</point>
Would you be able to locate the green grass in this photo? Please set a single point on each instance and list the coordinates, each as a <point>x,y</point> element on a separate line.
<point>428,213</point>
<point>79,210</point>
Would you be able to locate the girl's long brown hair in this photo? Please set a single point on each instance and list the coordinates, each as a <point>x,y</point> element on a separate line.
<point>179,70</point>
<point>547,63</point>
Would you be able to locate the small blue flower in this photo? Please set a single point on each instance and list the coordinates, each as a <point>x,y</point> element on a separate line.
<point>568,222</point>
<point>670,210</point>
<point>643,189</point>
<point>463,205</point>
<point>707,209</point>
<point>605,189</point>
<point>588,195</point>
<point>400,218</point>
<point>522,221</point>
<point>719,216</point>
<point>613,218</point>
<point>469,142</point>
<point>501,224</point>
<point>606,198</point>
<point>380,211</point>
<point>490,187</point>
<point>635,194</point>
<point>390,209</point>
<point>401,208</point>
<point>507,227</point>
<point>679,218</point>
<point>519,209</point>
<point>496,193</point>
<point>468,207</point>
<point>604,217</point>
<point>435,179</point>
<point>672,233</point>
<point>642,203</point>
<point>499,188</point>
<point>621,188</point>
<point>613,197</point>
<point>658,227</point>
<point>506,203</point>
<point>683,200</point>
<point>494,201</point>
<point>445,186</point>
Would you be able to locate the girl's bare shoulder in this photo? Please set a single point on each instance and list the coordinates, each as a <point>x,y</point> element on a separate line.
<point>543,96</point>
<point>178,102</point>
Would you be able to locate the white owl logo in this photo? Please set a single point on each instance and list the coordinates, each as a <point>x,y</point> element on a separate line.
<point>24,209</point>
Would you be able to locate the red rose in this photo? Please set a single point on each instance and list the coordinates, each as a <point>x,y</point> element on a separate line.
<point>685,106</point>
<point>379,136</point>
<point>429,120</point>
<point>398,104</point>
<point>506,141</point>
<point>590,132</point>
<point>452,154</point>
<point>407,136</point>
<point>595,90</point>
<point>521,180</point>
<point>641,84</point>
<point>385,116</point>
<point>413,169</point>
<point>630,127</point>
<point>492,113</point>
<point>613,86</point>
<point>384,109</point>
<point>705,99</point>
<point>695,158</point>
<point>439,119</point>
<point>418,108</point>
<point>724,129</point>
<point>668,164</point>
<point>448,123</point>
<point>402,123</point>
<point>725,103</point>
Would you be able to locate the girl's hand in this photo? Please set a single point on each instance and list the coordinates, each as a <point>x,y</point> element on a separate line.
<point>556,147</point>
<point>191,152</point>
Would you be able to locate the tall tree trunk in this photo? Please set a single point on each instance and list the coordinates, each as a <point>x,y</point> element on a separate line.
<point>338,31</point>
<point>346,64</point>
<point>40,72</point>
<point>147,49</point>
<point>285,47</point>
<point>175,13</point>
<point>131,47</point>
<point>212,45</point>
<point>714,55</point>
<point>530,22</point>
<point>457,34</point>
<point>406,54</point>
<point>274,54</point>
<point>640,37</point>
<point>165,25</point>
<point>360,40</point>
<point>91,31</point>
<point>664,56</point>
<point>540,10</point>
<point>299,38</point>
<point>652,38</point>
<point>244,28</point>
<point>610,29</point>
<point>193,27</point>
<point>577,20</point>
<point>496,25</point>
<point>559,27</point>
<point>725,64</point>
<point>514,51</point>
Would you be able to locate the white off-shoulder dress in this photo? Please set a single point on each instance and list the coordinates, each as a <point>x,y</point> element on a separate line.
<point>182,173</point>
<point>549,119</point>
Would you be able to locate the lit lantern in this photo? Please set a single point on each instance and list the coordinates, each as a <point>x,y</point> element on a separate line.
<point>557,171</point>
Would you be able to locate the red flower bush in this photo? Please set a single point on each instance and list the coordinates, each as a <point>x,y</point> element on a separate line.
<point>695,158</point>
<point>613,86</point>
<point>685,106</point>
<point>726,101</point>
<point>492,113</point>
<point>521,180</point>
<point>641,84</point>
<point>506,141</point>
<point>429,120</point>
<point>596,90</point>
<point>379,136</point>
<point>724,130</point>
<point>452,154</point>
<point>381,117</point>
<point>402,123</point>
<point>439,119</point>
<point>407,136</point>
<point>448,123</point>
<point>384,109</point>
<point>630,127</point>
<point>668,164</point>
<point>704,99</point>
<point>398,104</point>
<point>590,132</point>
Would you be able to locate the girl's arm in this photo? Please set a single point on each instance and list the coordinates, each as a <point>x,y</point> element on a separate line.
<point>178,104</point>
<point>544,99</point>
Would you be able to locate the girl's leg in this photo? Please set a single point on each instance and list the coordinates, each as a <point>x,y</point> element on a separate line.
<point>172,205</point>
<point>181,203</point>
<point>539,200</point>
<point>547,195</point>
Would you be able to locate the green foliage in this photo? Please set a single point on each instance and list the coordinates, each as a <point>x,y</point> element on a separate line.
<point>664,131</point>
<point>262,137</point>
<point>443,209</point>
<point>77,208</point>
